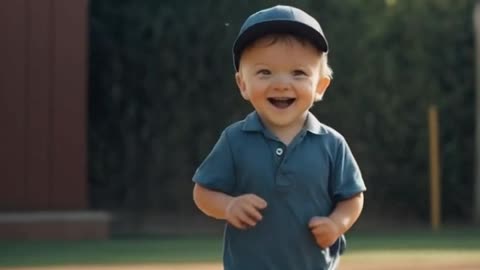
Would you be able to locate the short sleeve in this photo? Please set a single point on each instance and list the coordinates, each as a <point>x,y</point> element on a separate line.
<point>346,178</point>
<point>216,172</point>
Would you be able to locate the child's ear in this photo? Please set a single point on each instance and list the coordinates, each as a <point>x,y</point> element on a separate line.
<point>241,85</point>
<point>322,86</point>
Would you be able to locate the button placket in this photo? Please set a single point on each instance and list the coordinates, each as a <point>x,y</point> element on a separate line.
<point>282,180</point>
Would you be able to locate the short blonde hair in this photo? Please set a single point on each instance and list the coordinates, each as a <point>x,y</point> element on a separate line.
<point>326,70</point>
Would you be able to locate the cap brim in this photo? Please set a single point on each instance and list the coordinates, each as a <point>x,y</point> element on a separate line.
<point>277,26</point>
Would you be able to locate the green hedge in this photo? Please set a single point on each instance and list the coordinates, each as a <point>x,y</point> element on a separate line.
<point>162,88</point>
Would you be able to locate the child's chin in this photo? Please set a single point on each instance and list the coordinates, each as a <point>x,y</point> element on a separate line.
<point>281,122</point>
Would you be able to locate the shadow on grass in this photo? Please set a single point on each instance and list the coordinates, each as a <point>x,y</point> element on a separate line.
<point>172,249</point>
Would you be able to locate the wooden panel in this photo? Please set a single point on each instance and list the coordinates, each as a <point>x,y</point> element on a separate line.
<point>13,72</point>
<point>68,183</point>
<point>38,103</point>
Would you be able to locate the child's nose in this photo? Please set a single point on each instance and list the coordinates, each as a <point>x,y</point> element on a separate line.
<point>281,82</point>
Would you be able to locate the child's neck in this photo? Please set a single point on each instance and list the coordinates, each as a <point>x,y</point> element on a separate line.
<point>286,134</point>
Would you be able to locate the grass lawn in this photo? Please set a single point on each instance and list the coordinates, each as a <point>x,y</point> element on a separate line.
<point>117,250</point>
<point>155,249</point>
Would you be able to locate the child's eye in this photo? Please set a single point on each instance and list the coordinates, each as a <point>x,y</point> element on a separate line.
<point>299,72</point>
<point>263,72</point>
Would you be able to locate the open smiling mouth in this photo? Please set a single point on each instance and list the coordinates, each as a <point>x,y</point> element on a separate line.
<point>281,103</point>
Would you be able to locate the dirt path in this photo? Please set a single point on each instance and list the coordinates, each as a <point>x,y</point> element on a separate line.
<point>433,260</point>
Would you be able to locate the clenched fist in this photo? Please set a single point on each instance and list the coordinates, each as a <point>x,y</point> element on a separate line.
<point>243,212</point>
<point>325,231</point>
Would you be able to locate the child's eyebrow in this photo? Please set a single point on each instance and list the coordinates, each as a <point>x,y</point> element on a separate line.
<point>259,65</point>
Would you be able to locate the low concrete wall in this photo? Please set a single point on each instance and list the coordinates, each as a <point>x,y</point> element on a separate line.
<point>75,225</point>
<point>165,224</point>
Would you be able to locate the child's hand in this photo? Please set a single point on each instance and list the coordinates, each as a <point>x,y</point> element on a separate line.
<point>243,211</point>
<point>325,231</point>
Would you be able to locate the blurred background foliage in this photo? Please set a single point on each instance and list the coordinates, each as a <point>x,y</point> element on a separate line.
<point>162,88</point>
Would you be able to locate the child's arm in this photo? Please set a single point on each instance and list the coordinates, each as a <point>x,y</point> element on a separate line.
<point>242,212</point>
<point>327,230</point>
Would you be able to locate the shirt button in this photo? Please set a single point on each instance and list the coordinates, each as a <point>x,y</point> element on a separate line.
<point>279,151</point>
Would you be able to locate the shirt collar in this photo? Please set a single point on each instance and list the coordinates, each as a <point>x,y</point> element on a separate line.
<point>252,123</point>
<point>312,125</point>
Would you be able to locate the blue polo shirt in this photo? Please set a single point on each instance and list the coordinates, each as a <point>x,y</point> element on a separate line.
<point>298,181</point>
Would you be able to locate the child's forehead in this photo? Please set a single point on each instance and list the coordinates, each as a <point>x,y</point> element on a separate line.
<point>284,39</point>
<point>283,52</point>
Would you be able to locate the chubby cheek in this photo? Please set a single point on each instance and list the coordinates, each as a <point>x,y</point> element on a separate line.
<point>310,86</point>
<point>257,96</point>
<point>257,90</point>
<point>305,85</point>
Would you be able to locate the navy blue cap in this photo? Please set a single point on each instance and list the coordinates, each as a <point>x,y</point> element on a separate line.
<point>278,19</point>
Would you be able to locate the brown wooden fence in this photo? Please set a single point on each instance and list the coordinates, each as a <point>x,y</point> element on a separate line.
<point>43,54</point>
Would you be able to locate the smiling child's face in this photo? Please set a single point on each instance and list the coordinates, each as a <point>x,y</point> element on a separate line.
<point>281,78</point>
